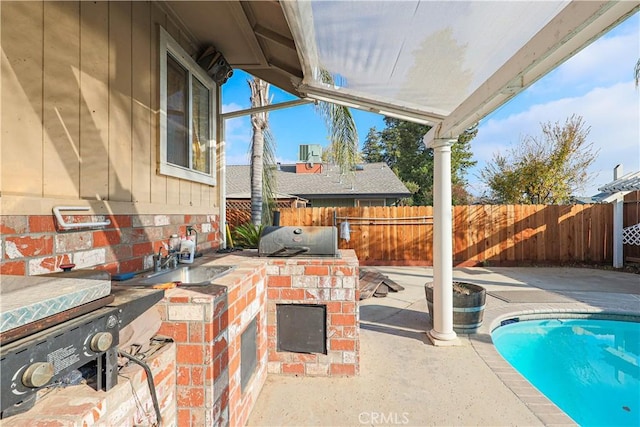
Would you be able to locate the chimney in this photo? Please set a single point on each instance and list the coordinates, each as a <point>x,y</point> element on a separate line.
<point>309,159</point>
<point>617,172</point>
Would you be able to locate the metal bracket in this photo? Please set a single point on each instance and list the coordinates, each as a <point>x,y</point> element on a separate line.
<point>66,225</point>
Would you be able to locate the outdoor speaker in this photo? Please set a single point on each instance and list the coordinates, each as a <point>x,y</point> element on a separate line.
<point>215,65</point>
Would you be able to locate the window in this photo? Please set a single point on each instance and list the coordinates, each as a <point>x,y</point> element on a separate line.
<point>187,94</point>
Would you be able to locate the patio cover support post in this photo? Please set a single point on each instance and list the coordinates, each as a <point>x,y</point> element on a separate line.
<point>442,332</point>
<point>618,218</point>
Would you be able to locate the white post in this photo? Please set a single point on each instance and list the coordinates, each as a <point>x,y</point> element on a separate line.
<point>442,332</point>
<point>618,218</point>
<point>618,222</point>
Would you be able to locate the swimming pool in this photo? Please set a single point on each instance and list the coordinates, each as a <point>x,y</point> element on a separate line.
<point>588,367</point>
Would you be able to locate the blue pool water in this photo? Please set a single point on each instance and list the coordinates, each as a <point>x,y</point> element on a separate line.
<point>589,368</point>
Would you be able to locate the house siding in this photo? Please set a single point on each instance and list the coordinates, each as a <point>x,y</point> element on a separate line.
<point>80,103</point>
<point>80,122</point>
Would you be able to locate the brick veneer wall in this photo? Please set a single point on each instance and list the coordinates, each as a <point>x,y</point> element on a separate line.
<point>207,325</point>
<point>126,404</point>
<point>32,244</point>
<point>331,282</point>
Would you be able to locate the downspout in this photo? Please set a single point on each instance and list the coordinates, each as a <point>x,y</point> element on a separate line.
<point>442,333</point>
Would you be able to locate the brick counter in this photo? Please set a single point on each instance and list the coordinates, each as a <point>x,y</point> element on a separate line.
<point>207,325</point>
<point>332,282</point>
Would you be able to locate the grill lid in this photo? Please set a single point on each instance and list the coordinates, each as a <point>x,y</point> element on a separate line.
<point>298,241</point>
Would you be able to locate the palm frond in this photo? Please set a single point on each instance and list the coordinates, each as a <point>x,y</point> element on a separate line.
<point>343,133</point>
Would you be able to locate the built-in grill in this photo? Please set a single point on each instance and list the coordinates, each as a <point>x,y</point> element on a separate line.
<point>55,324</point>
<point>298,241</point>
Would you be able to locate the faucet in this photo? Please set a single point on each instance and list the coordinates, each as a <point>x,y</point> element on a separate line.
<point>170,261</point>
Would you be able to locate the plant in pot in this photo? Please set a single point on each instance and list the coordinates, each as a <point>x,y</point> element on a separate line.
<point>468,305</point>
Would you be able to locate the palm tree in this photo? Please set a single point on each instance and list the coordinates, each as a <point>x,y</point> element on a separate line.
<point>342,151</point>
<point>262,154</point>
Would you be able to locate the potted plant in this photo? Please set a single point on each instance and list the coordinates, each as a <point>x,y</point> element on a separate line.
<point>468,305</point>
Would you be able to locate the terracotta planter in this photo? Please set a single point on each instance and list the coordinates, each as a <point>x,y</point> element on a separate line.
<point>468,309</point>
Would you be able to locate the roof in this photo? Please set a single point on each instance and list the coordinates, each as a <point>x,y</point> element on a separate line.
<point>374,180</point>
<point>252,35</point>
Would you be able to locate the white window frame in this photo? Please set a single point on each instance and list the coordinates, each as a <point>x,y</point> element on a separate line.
<point>168,46</point>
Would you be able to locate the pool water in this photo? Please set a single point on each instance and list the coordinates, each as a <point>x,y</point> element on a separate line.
<point>589,368</point>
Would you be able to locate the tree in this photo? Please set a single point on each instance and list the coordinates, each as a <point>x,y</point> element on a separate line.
<point>262,154</point>
<point>542,170</point>
<point>343,148</point>
<point>400,145</point>
<point>372,149</point>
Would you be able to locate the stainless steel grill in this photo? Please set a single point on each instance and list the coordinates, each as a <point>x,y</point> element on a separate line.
<point>299,241</point>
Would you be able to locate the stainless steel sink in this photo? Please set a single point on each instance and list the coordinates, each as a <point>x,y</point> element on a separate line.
<point>188,275</point>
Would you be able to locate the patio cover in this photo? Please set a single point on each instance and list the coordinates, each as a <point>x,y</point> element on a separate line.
<point>444,63</point>
<point>448,62</point>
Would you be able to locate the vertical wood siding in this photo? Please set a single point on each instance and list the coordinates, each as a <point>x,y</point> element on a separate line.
<point>497,235</point>
<point>80,103</point>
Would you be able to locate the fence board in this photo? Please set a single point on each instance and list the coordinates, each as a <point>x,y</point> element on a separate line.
<point>508,235</point>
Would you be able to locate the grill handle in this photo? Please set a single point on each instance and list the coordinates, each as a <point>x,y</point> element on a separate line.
<point>296,250</point>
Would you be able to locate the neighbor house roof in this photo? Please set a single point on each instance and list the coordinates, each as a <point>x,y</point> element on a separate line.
<point>370,180</point>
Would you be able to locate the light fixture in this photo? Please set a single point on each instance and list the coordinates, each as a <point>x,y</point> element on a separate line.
<point>215,65</point>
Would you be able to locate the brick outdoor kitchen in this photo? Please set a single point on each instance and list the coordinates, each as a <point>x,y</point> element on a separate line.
<point>198,374</point>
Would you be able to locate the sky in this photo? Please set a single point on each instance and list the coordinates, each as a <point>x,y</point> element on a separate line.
<point>597,84</point>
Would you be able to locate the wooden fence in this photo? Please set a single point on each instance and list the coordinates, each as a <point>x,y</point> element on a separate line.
<point>482,234</point>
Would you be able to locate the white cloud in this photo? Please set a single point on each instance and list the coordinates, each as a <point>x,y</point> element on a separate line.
<point>237,140</point>
<point>237,159</point>
<point>607,61</point>
<point>232,106</point>
<point>611,112</point>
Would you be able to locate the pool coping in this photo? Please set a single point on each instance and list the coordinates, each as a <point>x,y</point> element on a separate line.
<point>498,310</point>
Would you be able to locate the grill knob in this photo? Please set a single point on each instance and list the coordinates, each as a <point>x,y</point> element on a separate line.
<point>37,374</point>
<point>101,341</point>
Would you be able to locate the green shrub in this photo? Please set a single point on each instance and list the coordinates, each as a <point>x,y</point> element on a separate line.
<point>247,235</point>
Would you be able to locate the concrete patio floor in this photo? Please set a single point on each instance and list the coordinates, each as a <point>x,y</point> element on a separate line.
<point>404,380</point>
